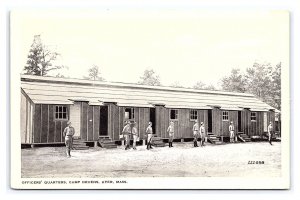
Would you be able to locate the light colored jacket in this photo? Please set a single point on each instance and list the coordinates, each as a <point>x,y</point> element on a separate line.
<point>149,130</point>
<point>126,129</point>
<point>69,131</point>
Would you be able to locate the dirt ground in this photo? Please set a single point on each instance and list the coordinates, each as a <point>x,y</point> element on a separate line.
<point>183,160</point>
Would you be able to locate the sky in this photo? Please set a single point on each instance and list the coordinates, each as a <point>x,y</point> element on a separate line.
<point>180,45</point>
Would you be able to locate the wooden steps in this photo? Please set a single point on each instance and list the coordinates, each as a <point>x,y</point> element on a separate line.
<point>107,143</point>
<point>244,138</point>
<point>214,139</point>
<point>158,142</point>
<point>79,144</point>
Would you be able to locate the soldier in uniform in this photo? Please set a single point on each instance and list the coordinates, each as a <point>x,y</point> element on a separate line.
<point>126,132</point>
<point>68,133</point>
<point>270,132</point>
<point>170,131</point>
<point>195,133</point>
<point>149,133</point>
<point>134,133</point>
<point>202,134</point>
<point>231,131</point>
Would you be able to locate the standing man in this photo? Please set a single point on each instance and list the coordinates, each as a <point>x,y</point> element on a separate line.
<point>170,131</point>
<point>270,132</point>
<point>195,133</point>
<point>202,134</point>
<point>134,132</point>
<point>231,131</point>
<point>149,133</point>
<point>126,132</point>
<point>68,133</point>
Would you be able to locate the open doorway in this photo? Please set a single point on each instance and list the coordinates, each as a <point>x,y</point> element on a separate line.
<point>240,121</point>
<point>152,118</point>
<point>209,120</point>
<point>103,121</point>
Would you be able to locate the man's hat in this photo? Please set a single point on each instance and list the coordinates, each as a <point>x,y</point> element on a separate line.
<point>201,123</point>
<point>231,122</point>
<point>69,122</point>
<point>196,121</point>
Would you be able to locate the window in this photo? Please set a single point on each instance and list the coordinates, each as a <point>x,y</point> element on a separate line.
<point>129,113</point>
<point>174,114</point>
<point>61,113</point>
<point>193,114</point>
<point>253,116</point>
<point>225,116</point>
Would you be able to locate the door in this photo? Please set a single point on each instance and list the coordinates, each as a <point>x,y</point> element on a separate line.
<point>103,129</point>
<point>240,121</point>
<point>152,118</point>
<point>75,111</point>
<point>209,120</point>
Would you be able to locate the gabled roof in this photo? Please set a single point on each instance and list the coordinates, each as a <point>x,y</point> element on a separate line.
<point>52,90</point>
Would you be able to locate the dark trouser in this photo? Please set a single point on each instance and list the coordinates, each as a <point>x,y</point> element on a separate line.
<point>171,137</point>
<point>69,144</point>
<point>127,141</point>
<point>270,138</point>
<point>149,140</point>
<point>195,139</point>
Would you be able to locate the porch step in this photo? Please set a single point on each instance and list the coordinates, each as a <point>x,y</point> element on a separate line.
<point>79,144</point>
<point>158,142</point>
<point>244,138</point>
<point>107,143</point>
<point>214,139</point>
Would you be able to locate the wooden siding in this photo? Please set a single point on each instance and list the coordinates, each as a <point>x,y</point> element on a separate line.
<point>113,128</point>
<point>26,119</point>
<point>232,117</point>
<point>44,123</point>
<point>46,128</point>
<point>51,125</point>
<point>141,117</point>
<point>90,122</point>
<point>37,124</point>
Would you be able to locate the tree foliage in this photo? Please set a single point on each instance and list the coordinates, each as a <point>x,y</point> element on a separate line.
<point>202,86</point>
<point>235,82</point>
<point>176,84</point>
<point>94,74</point>
<point>199,85</point>
<point>40,59</point>
<point>262,80</point>
<point>150,78</point>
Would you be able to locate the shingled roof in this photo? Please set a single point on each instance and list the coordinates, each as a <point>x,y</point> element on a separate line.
<point>52,90</point>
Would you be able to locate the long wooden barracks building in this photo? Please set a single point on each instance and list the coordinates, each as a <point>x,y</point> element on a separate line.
<point>99,109</point>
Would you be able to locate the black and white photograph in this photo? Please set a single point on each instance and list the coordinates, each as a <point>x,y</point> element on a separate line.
<point>178,98</point>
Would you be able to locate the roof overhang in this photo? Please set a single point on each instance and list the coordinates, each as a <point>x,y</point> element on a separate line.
<point>259,109</point>
<point>53,102</point>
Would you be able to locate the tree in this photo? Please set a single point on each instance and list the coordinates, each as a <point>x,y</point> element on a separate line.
<point>150,78</point>
<point>176,84</point>
<point>210,87</point>
<point>235,82</point>
<point>40,59</point>
<point>276,86</point>
<point>259,81</point>
<point>199,85</point>
<point>94,74</point>
<point>202,86</point>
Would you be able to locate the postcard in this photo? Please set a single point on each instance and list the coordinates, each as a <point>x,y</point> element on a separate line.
<point>121,98</point>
